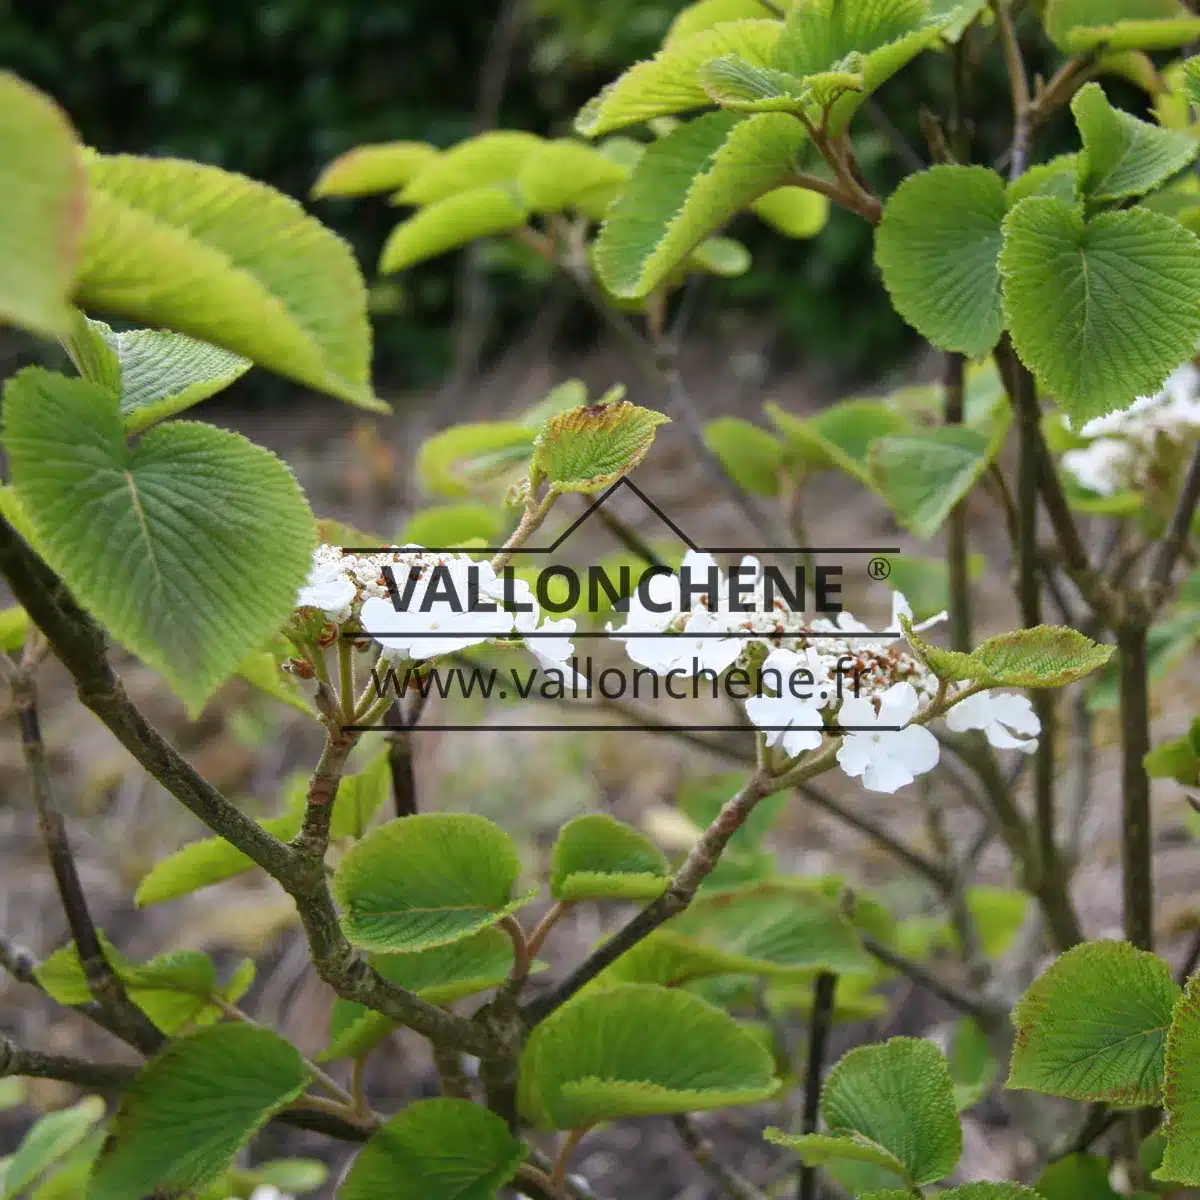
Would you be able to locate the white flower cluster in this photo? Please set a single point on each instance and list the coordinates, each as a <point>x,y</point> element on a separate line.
<point>451,601</point>
<point>867,683</point>
<point>1127,443</point>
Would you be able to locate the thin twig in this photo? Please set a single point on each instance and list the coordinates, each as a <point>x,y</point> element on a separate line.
<point>974,1006</point>
<point>1137,842</point>
<point>730,1181</point>
<point>824,993</point>
<point>34,1064</point>
<point>1018,83</point>
<point>1177,534</point>
<point>953,381</point>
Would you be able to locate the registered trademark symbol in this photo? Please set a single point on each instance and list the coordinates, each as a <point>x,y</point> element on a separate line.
<point>879,568</point>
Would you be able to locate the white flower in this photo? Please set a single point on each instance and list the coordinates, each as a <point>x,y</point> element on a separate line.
<point>555,653</point>
<point>883,748</point>
<point>449,596</point>
<point>787,720</point>
<point>1001,716</point>
<point>328,588</point>
<point>1103,467</point>
<point>268,1191</point>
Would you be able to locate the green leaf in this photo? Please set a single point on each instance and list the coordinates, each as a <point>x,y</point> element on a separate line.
<point>638,1050</point>
<point>565,174</point>
<point>998,914</point>
<point>586,449</point>
<point>1178,759</point>
<point>1123,156</point>
<point>1041,657</point>
<point>1075,1176</point>
<point>440,975</point>
<point>427,881</point>
<point>669,960</point>
<point>263,669</point>
<point>229,261</point>
<point>972,1191</point>
<point>43,198</point>
<point>736,84</point>
<point>1093,1026</point>
<point>839,436</point>
<point>724,257</point>
<point>175,990</point>
<point>685,187</point>
<point>750,455</point>
<point>452,525</point>
<point>14,628</point>
<point>704,14</point>
<point>1058,177</point>
<point>441,1149</point>
<point>775,927</point>
<point>670,82</point>
<point>201,864</point>
<point>293,1175</point>
<point>376,167</point>
<point>189,546</point>
<point>972,1066</point>
<point>891,1105</point>
<point>938,246</point>
<point>596,857</point>
<point>452,222</point>
<point>1101,311</point>
<point>1181,1090</point>
<point>360,796</point>
<point>196,1102</point>
<point>1191,79</point>
<point>492,157</point>
<point>50,1139</point>
<point>924,475</point>
<point>795,212</point>
<point>1079,26</point>
<point>155,375</point>
<point>925,582</point>
<point>450,462</point>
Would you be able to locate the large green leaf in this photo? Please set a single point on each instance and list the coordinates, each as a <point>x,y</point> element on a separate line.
<point>1080,26</point>
<point>670,82</point>
<point>688,184</point>
<point>751,456</point>
<point>183,1119</point>
<point>568,174</point>
<point>938,247</point>
<point>704,14</point>
<point>636,1050</point>
<point>795,212</point>
<point>360,796</point>
<point>1181,1090</point>
<point>586,449</point>
<point>773,928</point>
<point>43,198</point>
<point>452,222</point>
<point>441,1149</point>
<point>1123,156</point>
<point>1101,311</point>
<point>377,167</point>
<point>440,975</point>
<point>451,461</point>
<point>231,262</point>
<point>492,157</point>
<point>597,857</point>
<point>891,1105</point>
<point>189,546</point>
<point>427,881</point>
<point>154,374</point>
<point>924,475</point>
<point>1094,1025</point>
<point>50,1139</point>
<point>839,436</point>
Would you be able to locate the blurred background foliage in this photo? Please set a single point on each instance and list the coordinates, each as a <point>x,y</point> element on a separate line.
<point>277,89</point>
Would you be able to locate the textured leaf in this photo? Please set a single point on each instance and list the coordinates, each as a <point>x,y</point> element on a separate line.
<point>892,1105</point>
<point>922,476</point>
<point>733,83</point>
<point>229,261</point>
<point>1058,177</point>
<point>377,167</point>
<point>938,247</point>
<point>441,1149</point>
<point>1076,1176</point>
<point>1078,26</point>
<point>452,525</point>
<point>192,1107</point>
<point>773,927</point>
<point>189,546</point>
<point>1100,311</point>
<point>669,960</point>
<point>360,796</point>
<point>1093,1026</point>
<point>43,198</point>
<point>1181,1090</point>
<point>154,374</point>
<point>427,881</point>
<point>201,864</point>
<point>704,14</point>
<point>638,1050</point>
<point>686,186</point>
<point>793,211</point>
<point>1123,156</point>
<point>492,157</point>
<point>670,82</point>
<point>751,456</point>
<point>568,174</point>
<point>452,222</point>
<point>50,1139</point>
<point>841,435</point>
<point>586,449</point>
<point>596,857</point>
<point>451,461</point>
<point>1191,79</point>
<point>440,975</point>
<point>972,1066</point>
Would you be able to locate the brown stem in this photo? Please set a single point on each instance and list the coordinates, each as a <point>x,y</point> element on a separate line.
<point>522,957</point>
<point>956,537</point>
<point>732,1182</point>
<point>824,993</point>
<point>1018,83</point>
<point>1178,531</point>
<point>313,839</point>
<point>558,1176</point>
<point>1137,862</point>
<point>542,929</point>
